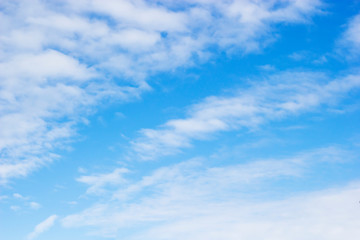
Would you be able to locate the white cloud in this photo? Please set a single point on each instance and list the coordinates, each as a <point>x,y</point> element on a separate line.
<point>34,205</point>
<point>191,201</point>
<point>97,182</point>
<point>15,208</point>
<point>350,39</point>
<point>319,215</point>
<point>267,67</point>
<point>19,196</point>
<point>32,98</point>
<point>277,97</point>
<point>31,204</point>
<point>298,56</point>
<point>59,60</point>
<point>3,197</point>
<point>42,227</point>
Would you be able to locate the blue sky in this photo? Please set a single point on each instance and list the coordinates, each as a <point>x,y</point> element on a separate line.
<point>195,119</point>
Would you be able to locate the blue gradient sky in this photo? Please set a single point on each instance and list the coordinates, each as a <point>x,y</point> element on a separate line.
<point>162,119</point>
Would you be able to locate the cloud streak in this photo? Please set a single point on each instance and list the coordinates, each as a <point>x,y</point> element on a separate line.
<point>189,200</point>
<point>42,227</point>
<point>279,96</point>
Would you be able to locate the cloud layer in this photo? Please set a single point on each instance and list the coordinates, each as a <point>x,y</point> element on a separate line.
<point>192,201</point>
<point>279,96</point>
<point>61,60</point>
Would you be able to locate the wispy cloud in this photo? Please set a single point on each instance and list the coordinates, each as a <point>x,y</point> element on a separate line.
<point>19,196</point>
<point>97,182</point>
<point>189,200</point>
<point>267,67</point>
<point>34,205</point>
<point>15,208</point>
<point>42,227</point>
<point>25,201</point>
<point>59,61</point>
<point>314,215</point>
<point>3,197</point>
<point>279,96</point>
<point>350,40</point>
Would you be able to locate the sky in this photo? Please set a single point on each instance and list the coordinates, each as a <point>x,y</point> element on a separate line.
<point>173,120</point>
